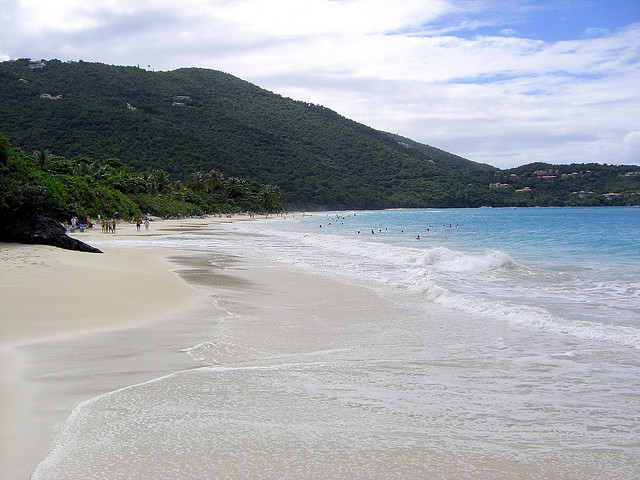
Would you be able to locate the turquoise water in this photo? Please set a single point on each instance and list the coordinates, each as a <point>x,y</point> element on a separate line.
<point>560,266</point>
<point>502,344</point>
<point>572,234</point>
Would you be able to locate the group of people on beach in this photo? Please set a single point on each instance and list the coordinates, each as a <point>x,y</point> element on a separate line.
<point>109,226</point>
<point>76,225</point>
<point>139,223</point>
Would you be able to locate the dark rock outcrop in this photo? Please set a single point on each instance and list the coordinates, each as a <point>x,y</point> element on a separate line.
<point>44,231</point>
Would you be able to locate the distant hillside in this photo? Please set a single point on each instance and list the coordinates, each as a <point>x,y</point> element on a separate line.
<point>198,120</point>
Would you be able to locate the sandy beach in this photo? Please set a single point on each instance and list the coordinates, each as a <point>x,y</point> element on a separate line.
<point>75,325</point>
<point>50,294</point>
<point>78,325</point>
<point>262,351</point>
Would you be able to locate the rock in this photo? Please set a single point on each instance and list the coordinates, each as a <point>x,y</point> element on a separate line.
<point>43,231</point>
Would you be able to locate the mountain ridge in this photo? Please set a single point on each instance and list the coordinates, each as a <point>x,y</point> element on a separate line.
<point>195,119</point>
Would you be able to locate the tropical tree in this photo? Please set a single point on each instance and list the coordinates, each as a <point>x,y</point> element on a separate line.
<point>234,187</point>
<point>5,148</point>
<point>91,170</point>
<point>42,158</point>
<point>161,179</point>
<point>197,182</point>
<point>270,197</point>
<point>215,181</point>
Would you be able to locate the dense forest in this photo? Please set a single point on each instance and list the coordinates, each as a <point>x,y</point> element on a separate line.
<point>41,184</point>
<point>189,121</point>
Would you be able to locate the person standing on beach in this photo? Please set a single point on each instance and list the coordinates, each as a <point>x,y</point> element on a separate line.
<point>146,224</point>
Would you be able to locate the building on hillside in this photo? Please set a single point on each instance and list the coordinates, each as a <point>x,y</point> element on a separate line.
<point>582,193</point>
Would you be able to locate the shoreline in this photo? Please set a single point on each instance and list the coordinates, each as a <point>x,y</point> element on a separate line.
<point>247,319</point>
<point>275,356</point>
<point>51,295</point>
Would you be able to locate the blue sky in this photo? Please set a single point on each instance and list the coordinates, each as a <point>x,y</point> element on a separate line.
<point>499,82</point>
<point>549,20</point>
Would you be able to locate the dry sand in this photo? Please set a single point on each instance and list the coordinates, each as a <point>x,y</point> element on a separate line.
<point>48,293</point>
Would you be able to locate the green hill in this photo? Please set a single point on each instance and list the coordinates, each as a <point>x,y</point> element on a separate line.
<point>198,120</point>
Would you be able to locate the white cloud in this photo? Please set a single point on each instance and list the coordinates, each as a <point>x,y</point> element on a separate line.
<point>38,16</point>
<point>631,147</point>
<point>324,17</point>
<point>499,99</point>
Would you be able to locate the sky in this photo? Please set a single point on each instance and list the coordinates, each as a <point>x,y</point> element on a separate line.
<point>503,82</point>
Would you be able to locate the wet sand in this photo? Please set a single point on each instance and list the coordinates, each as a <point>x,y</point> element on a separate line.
<point>241,317</point>
<point>76,325</point>
<point>53,295</point>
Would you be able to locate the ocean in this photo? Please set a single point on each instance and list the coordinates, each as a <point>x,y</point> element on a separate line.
<point>397,344</point>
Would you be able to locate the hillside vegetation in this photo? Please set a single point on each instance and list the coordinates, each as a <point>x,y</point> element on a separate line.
<point>45,185</point>
<point>191,121</point>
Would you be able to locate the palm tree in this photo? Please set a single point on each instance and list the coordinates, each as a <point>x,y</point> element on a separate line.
<point>197,182</point>
<point>91,170</point>
<point>234,187</point>
<point>215,181</point>
<point>158,181</point>
<point>270,197</point>
<point>42,157</point>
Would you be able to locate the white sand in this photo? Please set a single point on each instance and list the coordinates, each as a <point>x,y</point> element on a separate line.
<point>53,295</point>
<point>47,292</point>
